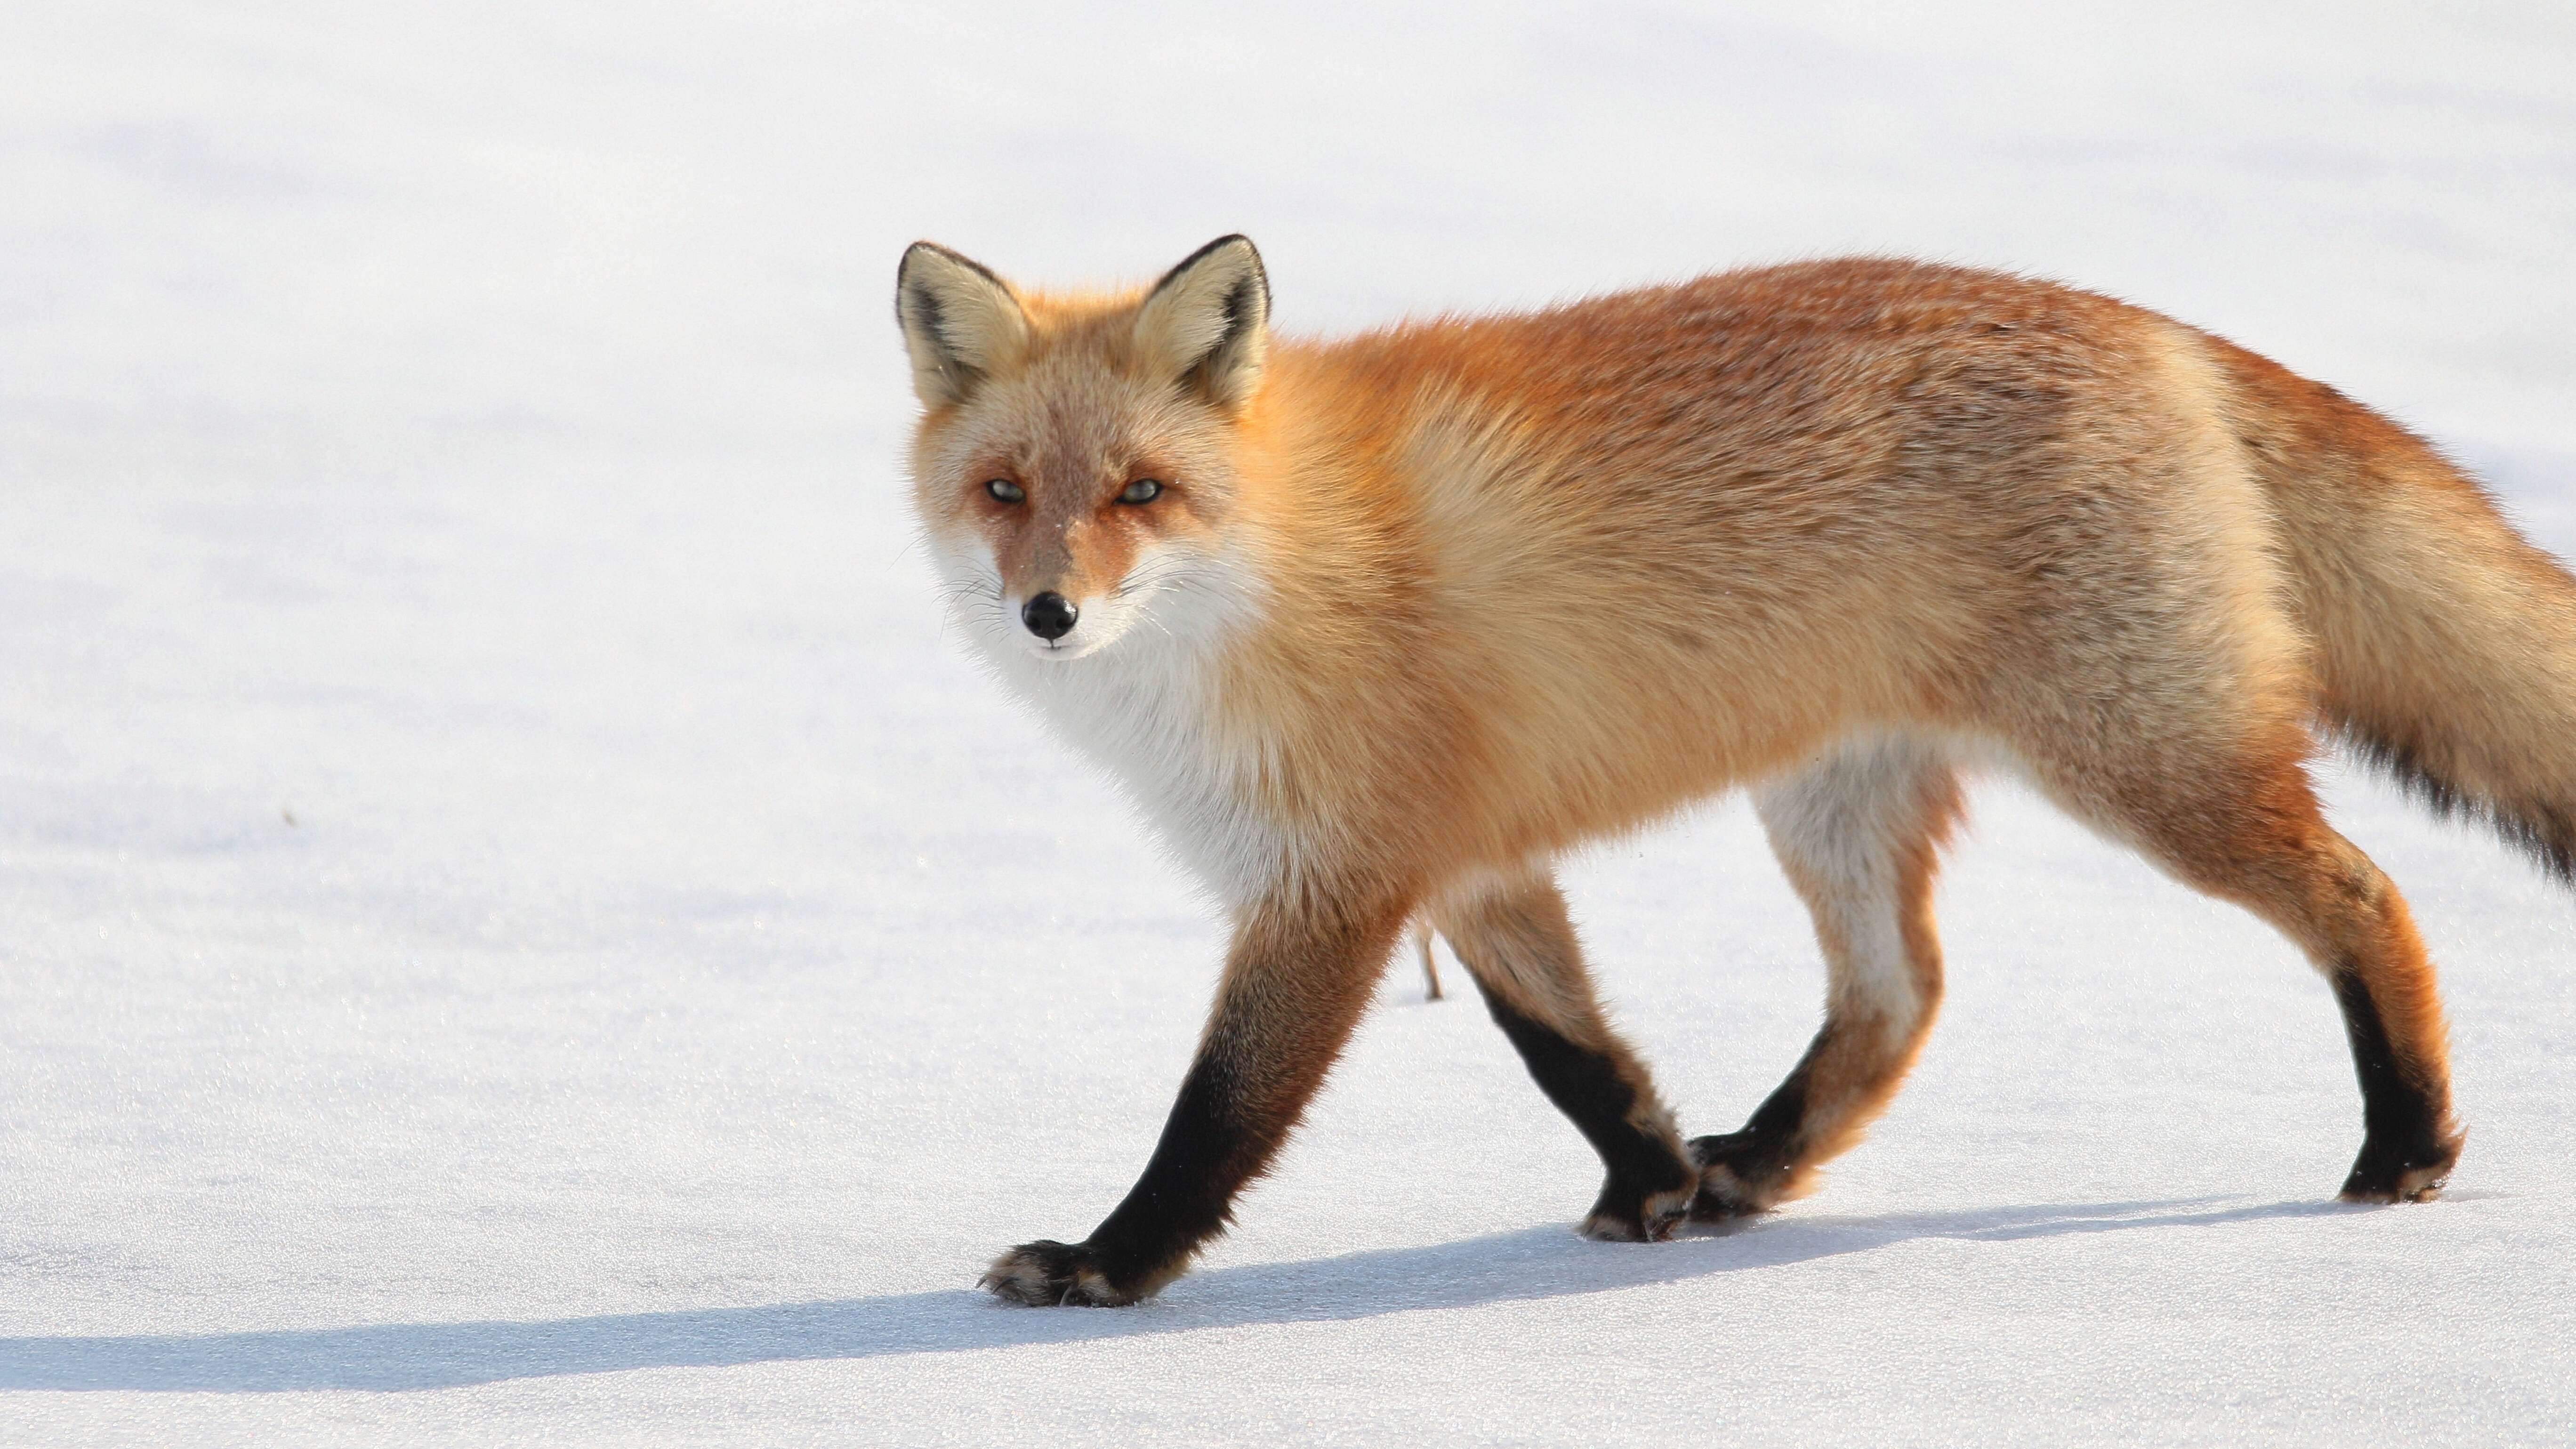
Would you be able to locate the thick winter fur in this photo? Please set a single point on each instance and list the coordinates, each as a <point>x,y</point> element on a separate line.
<point>1407,615</point>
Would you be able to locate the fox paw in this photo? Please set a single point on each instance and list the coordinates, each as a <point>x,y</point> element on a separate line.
<point>1642,1203</point>
<point>1048,1274</point>
<point>1733,1181</point>
<point>2411,1172</point>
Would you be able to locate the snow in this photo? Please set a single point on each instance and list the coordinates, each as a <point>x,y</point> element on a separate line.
<point>520,928</point>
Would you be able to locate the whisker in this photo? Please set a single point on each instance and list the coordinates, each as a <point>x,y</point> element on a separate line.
<point>972,588</point>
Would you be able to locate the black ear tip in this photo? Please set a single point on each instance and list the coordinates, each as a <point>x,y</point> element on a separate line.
<point>950,255</point>
<point>1260,273</point>
<point>923,250</point>
<point>1230,239</point>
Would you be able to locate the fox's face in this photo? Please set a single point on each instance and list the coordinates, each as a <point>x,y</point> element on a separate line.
<point>1074,464</point>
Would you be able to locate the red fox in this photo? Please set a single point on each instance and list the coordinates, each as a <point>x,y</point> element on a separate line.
<point>1374,629</point>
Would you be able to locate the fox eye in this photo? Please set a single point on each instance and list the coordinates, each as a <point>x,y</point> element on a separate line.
<point>1143,490</point>
<point>1006,491</point>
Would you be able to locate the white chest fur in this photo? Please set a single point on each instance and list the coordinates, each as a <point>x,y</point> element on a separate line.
<point>1145,708</point>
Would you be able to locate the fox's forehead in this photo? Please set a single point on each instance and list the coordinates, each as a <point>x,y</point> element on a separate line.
<point>1098,325</point>
<point>1079,405</point>
<point>1055,418</point>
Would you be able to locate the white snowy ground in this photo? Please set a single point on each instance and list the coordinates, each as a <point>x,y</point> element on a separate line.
<point>518,928</point>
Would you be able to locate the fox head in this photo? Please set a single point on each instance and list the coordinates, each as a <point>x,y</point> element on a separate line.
<point>1075,463</point>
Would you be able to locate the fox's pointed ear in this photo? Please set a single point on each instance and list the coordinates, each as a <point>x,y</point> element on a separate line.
<point>960,322</point>
<point>1207,323</point>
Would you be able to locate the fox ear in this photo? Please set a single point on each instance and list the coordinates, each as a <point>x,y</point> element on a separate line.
<point>960,322</point>
<point>1207,322</point>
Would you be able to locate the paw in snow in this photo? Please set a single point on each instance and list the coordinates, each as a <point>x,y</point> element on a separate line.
<point>1048,1274</point>
<point>2408,1164</point>
<point>1731,1184</point>
<point>1637,1218</point>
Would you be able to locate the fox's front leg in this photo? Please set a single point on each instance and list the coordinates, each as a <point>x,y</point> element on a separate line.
<point>1518,944</point>
<point>1297,977</point>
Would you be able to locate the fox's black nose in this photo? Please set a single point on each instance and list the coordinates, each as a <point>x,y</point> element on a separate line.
<point>1050,615</point>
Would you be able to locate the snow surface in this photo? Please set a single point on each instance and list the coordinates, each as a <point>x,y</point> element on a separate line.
<point>520,929</point>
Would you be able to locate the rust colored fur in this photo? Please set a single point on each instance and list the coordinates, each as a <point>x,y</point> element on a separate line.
<point>1407,615</point>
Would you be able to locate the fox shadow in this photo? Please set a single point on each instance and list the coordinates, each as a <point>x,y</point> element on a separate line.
<point>1528,1264</point>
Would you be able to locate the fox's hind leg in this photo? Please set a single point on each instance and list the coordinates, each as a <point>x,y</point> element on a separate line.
<point>1515,940</point>
<point>2241,823</point>
<point>1859,834</point>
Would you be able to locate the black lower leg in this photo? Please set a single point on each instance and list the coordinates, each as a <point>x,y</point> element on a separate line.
<point>2404,1127</point>
<point>1588,1087</point>
<point>1213,1140</point>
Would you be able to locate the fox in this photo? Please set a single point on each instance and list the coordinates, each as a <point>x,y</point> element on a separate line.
<point>1374,630</point>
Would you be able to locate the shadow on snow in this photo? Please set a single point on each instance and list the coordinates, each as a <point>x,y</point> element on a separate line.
<point>1533,1263</point>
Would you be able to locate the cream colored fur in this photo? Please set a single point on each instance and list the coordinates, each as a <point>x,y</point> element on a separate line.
<point>1212,316</point>
<point>959,323</point>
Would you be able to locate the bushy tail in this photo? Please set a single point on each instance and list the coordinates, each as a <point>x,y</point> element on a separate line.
<point>2446,643</point>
